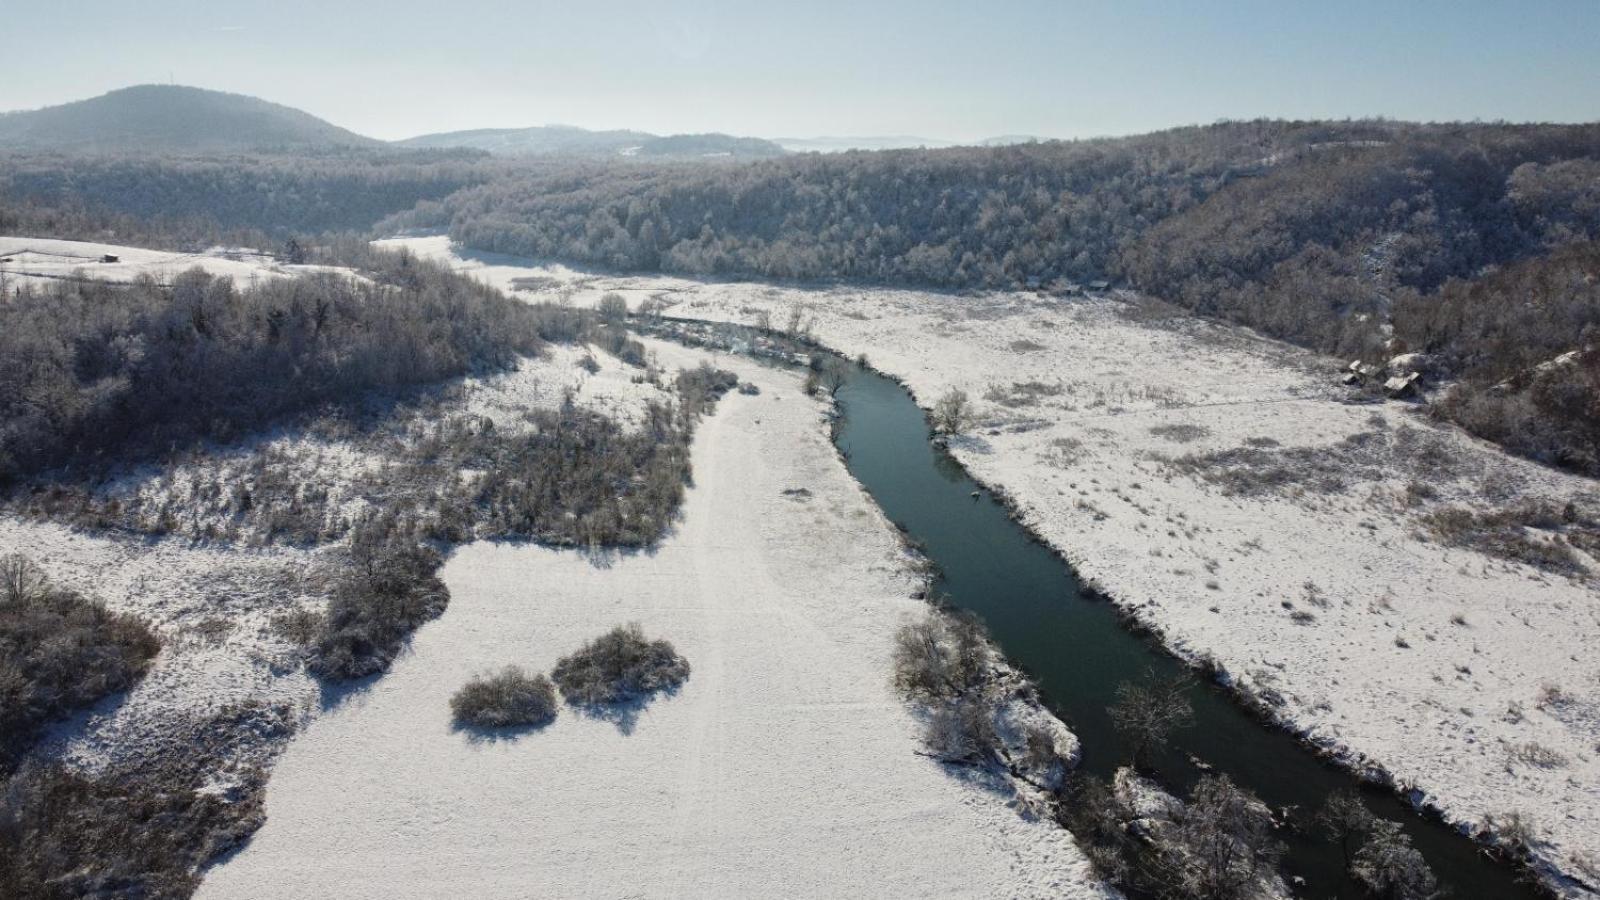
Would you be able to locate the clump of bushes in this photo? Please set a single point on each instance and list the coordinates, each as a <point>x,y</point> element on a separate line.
<point>1505,534</point>
<point>941,656</point>
<point>1219,844</point>
<point>510,698</point>
<point>148,823</point>
<point>945,661</point>
<point>620,665</point>
<point>59,651</point>
<point>390,588</point>
<point>700,388</point>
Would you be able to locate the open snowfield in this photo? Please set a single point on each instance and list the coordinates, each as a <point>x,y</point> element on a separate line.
<point>1472,680</point>
<point>26,260</point>
<point>785,766</point>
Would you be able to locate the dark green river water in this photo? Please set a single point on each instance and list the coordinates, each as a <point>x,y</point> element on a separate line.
<point>1079,652</point>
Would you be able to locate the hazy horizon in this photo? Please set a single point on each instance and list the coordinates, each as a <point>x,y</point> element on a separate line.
<point>952,73</point>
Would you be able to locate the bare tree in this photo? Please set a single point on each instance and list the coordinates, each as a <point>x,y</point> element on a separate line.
<point>1345,819</point>
<point>20,579</point>
<point>953,412</point>
<point>1147,714</point>
<point>613,308</point>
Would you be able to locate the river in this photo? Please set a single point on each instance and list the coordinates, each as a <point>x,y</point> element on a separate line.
<point>1079,652</point>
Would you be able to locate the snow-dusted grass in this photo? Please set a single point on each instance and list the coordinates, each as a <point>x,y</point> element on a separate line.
<point>1323,595</point>
<point>785,766</point>
<point>37,261</point>
<point>212,609</point>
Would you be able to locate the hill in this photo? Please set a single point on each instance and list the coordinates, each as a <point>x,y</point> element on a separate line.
<point>157,118</point>
<point>566,140</point>
<point>541,140</point>
<point>840,144</point>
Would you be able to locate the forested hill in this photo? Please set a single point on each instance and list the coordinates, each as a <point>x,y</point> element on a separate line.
<point>1474,244</point>
<point>1350,237</point>
<point>159,118</point>
<point>563,140</point>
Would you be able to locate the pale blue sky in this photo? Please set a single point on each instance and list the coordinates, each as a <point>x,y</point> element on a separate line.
<point>935,69</point>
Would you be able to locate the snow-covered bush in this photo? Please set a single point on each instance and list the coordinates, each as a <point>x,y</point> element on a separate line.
<point>953,412</point>
<point>508,698</point>
<point>941,656</point>
<point>390,588</point>
<point>961,731</point>
<point>620,665</point>
<point>613,308</point>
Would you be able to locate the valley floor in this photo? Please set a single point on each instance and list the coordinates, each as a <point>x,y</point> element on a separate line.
<point>1225,491</point>
<point>786,766</point>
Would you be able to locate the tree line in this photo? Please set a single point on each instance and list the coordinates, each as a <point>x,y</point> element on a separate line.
<point>92,372</point>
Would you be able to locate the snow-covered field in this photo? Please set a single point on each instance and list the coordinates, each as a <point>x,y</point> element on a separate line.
<point>1472,680</point>
<point>25,260</point>
<point>786,766</point>
<point>210,607</point>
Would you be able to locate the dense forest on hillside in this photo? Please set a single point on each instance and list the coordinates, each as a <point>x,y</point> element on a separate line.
<point>277,194</point>
<point>1354,238</point>
<point>1357,238</point>
<point>92,372</point>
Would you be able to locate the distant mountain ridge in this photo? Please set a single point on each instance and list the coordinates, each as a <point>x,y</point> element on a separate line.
<point>567,140</point>
<point>539,140</point>
<point>172,118</point>
<point>839,144</point>
<point>157,118</point>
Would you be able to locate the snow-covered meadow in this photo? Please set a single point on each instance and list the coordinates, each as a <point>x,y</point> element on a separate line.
<point>785,766</point>
<point>38,261</point>
<point>1225,490</point>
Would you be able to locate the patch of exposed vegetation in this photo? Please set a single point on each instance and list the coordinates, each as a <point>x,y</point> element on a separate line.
<point>147,824</point>
<point>619,666</point>
<point>59,651</point>
<point>1022,394</point>
<point>1368,456</point>
<point>1181,432</point>
<point>1534,534</point>
<point>510,698</point>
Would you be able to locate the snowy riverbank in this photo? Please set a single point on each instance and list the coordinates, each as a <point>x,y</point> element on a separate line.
<point>1291,549</point>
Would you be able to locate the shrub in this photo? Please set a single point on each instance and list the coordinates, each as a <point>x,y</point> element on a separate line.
<point>613,308</point>
<point>700,388</point>
<point>941,656</point>
<point>620,665</point>
<point>952,413</point>
<point>390,589</point>
<point>962,730</point>
<point>58,651</point>
<point>510,698</point>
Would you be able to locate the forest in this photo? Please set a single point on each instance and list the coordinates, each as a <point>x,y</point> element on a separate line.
<point>1357,238</point>
<point>93,373</point>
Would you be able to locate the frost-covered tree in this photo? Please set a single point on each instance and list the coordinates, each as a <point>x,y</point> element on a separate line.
<point>1389,867</point>
<point>1147,713</point>
<point>953,412</point>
